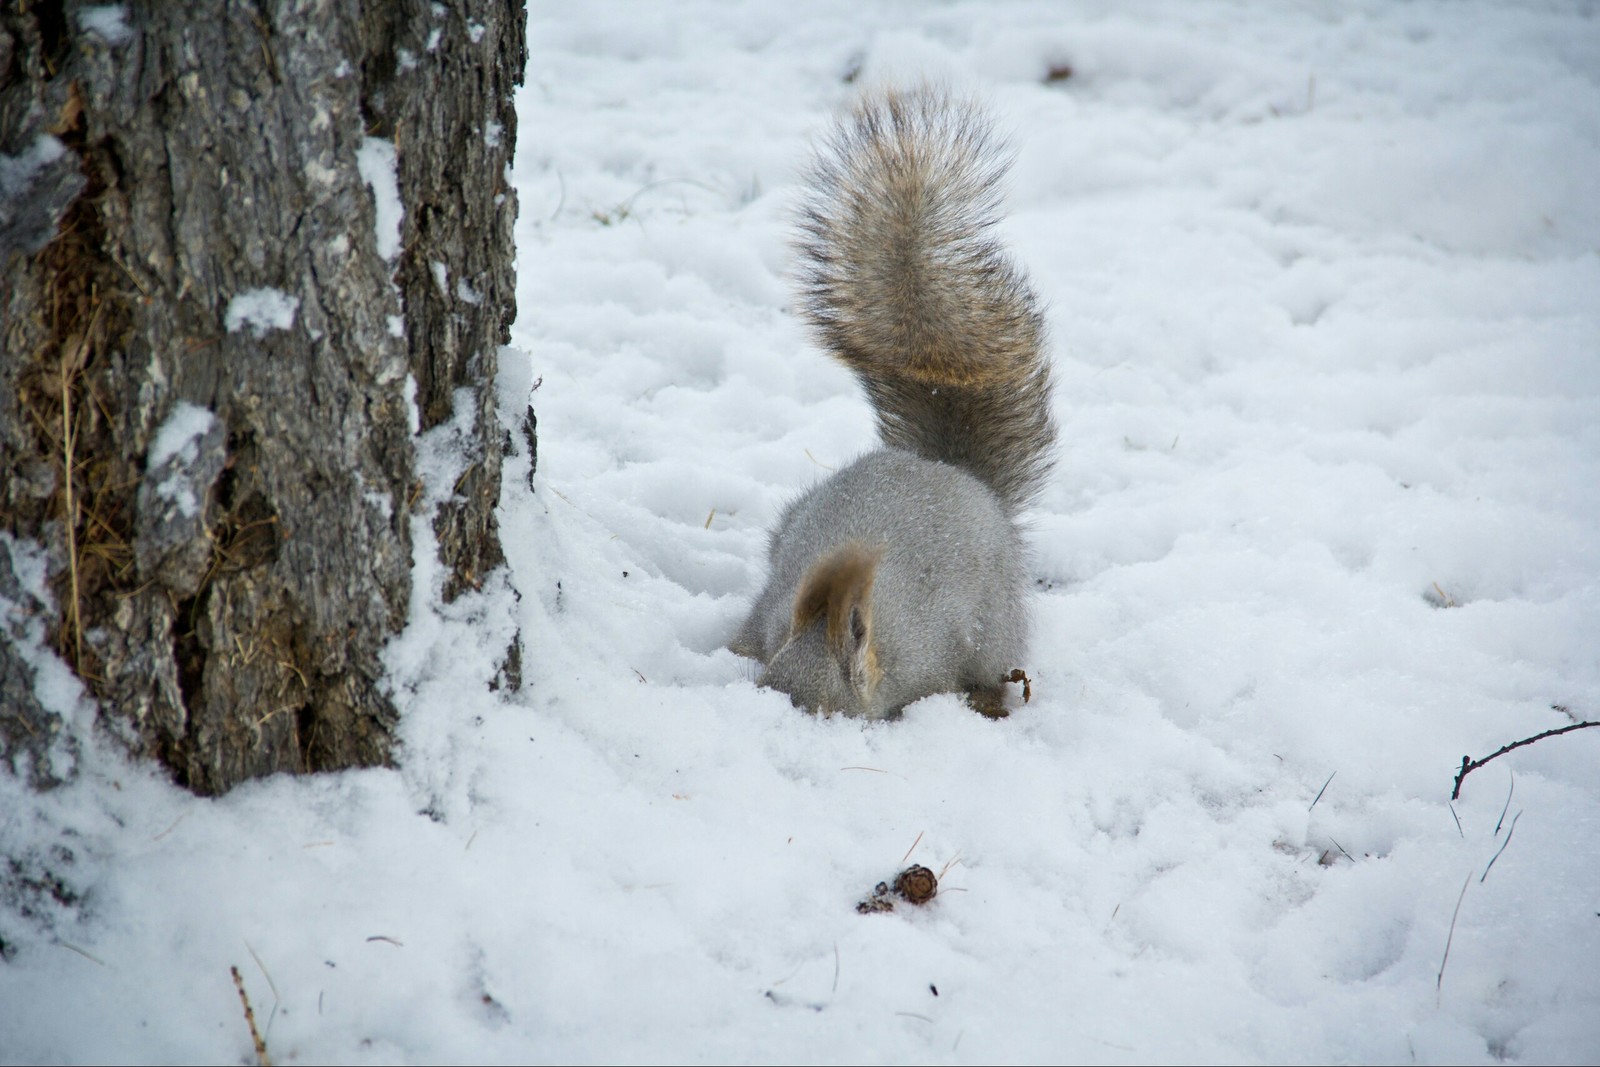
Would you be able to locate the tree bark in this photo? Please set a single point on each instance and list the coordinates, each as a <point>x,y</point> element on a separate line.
<point>205,408</point>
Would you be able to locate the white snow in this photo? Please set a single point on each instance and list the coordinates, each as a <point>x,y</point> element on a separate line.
<point>185,425</point>
<point>262,310</point>
<point>17,172</point>
<point>24,626</point>
<point>1321,285</point>
<point>108,22</point>
<point>179,436</point>
<point>377,163</point>
<point>413,413</point>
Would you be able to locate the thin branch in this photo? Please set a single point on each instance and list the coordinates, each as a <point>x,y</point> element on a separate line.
<point>250,1018</point>
<point>1468,764</point>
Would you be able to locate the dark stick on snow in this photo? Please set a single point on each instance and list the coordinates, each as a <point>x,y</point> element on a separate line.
<point>1468,764</point>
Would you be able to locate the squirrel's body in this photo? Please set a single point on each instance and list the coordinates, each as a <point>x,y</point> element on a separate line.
<point>904,574</point>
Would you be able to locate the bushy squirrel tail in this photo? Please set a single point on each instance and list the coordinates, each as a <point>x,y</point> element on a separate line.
<point>906,284</point>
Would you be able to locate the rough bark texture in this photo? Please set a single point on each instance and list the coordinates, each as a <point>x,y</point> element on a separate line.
<point>446,101</point>
<point>225,593</point>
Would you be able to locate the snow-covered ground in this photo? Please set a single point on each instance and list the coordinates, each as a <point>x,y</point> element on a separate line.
<point>1324,298</point>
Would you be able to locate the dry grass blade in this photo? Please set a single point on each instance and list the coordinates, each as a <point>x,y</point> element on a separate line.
<point>1321,791</point>
<point>1438,983</point>
<point>1507,806</point>
<point>71,367</point>
<point>1503,845</point>
<point>72,513</point>
<point>270,983</point>
<point>86,955</point>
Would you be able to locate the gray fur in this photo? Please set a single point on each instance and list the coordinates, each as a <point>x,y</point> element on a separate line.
<point>948,602</point>
<point>907,286</point>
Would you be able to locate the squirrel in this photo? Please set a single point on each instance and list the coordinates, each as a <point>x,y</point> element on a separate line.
<point>903,574</point>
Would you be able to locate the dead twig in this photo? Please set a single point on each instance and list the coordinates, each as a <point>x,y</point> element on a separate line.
<point>1468,764</point>
<point>250,1020</point>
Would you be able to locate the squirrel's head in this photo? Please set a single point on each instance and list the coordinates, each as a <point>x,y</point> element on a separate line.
<point>830,662</point>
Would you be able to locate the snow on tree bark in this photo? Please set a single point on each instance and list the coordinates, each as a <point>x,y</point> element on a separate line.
<point>203,393</point>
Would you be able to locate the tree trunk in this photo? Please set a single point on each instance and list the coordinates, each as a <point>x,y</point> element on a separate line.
<point>210,327</point>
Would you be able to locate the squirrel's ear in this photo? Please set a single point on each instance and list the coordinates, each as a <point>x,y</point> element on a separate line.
<point>838,590</point>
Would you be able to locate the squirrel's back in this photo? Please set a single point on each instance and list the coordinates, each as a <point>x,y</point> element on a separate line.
<point>924,556</point>
<point>906,284</point>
